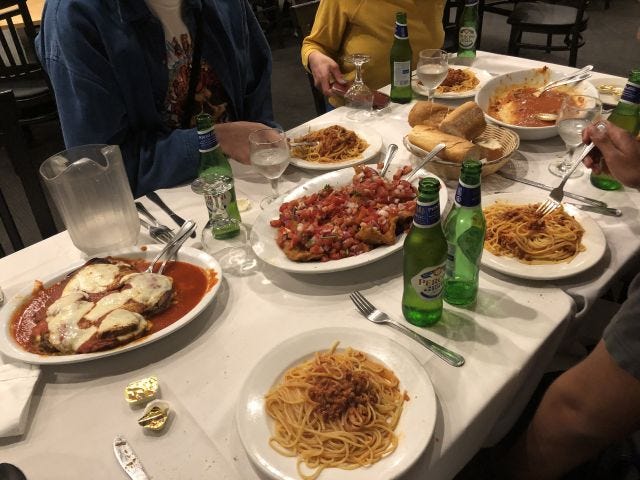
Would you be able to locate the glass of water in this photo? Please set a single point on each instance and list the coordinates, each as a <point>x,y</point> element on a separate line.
<point>359,97</point>
<point>433,67</point>
<point>269,154</point>
<point>576,112</point>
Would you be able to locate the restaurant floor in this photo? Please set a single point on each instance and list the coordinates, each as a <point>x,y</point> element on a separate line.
<point>610,46</point>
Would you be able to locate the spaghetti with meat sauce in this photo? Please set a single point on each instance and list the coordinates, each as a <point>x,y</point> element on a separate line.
<point>520,232</point>
<point>334,144</point>
<point>339,222</point>
<point>339,409</point>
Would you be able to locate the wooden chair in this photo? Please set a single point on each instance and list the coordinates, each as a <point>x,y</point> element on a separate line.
<point>9,226</point>
<point>20,70</point>
<point>12,138</point>
<point>304,14</point>
<point>567,19</point>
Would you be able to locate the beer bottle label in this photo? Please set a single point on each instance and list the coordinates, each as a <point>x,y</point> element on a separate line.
<point>467,195</point>
<point>402,31</point>
<point>427,214</point>
<point>429,282</point>
<point>631,93</point>
<point>207,140</point>
<point>467,37</point>
<point>401,74</point>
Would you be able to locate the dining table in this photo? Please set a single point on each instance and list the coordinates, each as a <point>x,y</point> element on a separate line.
<point>508,337</point>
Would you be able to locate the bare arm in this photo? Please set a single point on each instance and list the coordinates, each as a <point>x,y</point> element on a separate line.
<point>586,408</point>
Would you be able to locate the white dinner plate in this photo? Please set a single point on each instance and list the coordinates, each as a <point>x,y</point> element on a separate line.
<point>368,134</point>
<point>263,235</point>
<point>482,75</point>
<point>609,98</point>
<point>414,429</point>
<point>593,240</point>
<point>11,348</point>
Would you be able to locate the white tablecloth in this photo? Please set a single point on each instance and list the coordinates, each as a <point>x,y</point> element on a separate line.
<point>507,339</point>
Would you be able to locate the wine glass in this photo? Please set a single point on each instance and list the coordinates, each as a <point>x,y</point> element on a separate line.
<point>433,67</point>
<point>269,154</point>
<point>576,113</point>
<point>359,97</point>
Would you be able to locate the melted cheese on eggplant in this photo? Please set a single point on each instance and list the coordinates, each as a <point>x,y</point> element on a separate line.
<point>108,304</point>
<point>94,278</point>
<point>122,320</point>
<point>148,288</point>
<point>63,316</point>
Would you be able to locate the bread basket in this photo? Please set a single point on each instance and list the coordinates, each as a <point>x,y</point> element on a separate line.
<point>508,139</point>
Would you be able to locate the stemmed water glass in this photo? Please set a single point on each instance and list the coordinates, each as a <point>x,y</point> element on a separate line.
<point>576,113</point>
<point>433,67</point>
<point>359,97</point>
<point>269,154</point>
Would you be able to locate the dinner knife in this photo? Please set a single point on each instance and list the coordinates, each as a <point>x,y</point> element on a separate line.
<point>128,459</point>
<point>575,196</point>
<point>613,212</point>
<point>153,196</point>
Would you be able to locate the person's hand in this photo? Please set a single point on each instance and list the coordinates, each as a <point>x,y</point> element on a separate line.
<point>323,69</point>
<point>233,138</point>
<point>619,149</point>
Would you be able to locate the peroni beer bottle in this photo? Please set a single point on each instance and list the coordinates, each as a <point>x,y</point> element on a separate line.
<point>213,160</point>
<point>400,62</point>
<point>464,230</point>
<point>468,31</point>
<point>626,115</point>
<point>424,255</point>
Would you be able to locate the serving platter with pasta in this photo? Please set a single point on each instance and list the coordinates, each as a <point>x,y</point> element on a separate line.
<point>265,237</point>
<point>518,243</point>
<point>333,145</point>
<point>388,450</point>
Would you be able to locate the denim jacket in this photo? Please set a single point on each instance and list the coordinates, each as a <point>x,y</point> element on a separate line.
<point>107,64</point>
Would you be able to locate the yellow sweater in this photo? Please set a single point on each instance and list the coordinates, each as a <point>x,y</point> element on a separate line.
<point>343,27</point>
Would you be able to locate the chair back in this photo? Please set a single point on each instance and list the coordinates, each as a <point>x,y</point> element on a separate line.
<point>304,14</point>
<point>12,138</point>
<point>17,38</point>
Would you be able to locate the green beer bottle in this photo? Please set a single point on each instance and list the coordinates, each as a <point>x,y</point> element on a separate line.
<point>425,252</point>
<point>400,62</point>
<point>464,230</point>
<point>468,31</point>
<point>213,160</point>
<point>625,115</point>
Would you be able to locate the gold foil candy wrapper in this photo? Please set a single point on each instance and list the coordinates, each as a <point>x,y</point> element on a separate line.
<point>155,415</point>
<point>141,391</point>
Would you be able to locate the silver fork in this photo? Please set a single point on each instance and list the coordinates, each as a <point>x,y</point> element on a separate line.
<point>557,194</point>
<point>157,233</point>
<point>374,315</point>
<point>159,227</point>
<point>171,248</point>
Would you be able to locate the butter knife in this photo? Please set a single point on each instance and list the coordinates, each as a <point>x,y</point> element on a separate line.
<point>153,196</point>
<point>575,196</point>
<point>128,459</point>
<point>613,212</point>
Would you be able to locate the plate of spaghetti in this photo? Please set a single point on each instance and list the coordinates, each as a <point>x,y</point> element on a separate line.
<point>519,242</point>
<point>325,391</point>
<point>460,82</point>
<point>336,221</point>
<point>333,145</point>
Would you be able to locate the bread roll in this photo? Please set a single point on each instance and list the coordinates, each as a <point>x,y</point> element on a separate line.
<point>428,113</point>
<point>457,148</point>
<point>491,148</point>
<point>466,121</point>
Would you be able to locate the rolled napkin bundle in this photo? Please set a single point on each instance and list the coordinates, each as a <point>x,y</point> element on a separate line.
<point>17,381</point>
<point>457,148</point>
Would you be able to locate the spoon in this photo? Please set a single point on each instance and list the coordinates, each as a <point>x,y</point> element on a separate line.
<point>172,247</point>
<point>391,151</point>
<point>546,117</point>
<point>574,77</point>
<point>437,149</point>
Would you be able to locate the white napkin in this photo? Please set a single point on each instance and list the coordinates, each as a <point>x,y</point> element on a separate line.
<point>17,381</point>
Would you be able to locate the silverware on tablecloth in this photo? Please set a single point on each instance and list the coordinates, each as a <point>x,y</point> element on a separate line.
<point>612,212</point>
<point>171,248</point>
<point>128,459</point>
<point>157,233</point>
<point>533,183</point>
<point>162,232</point>
<point>153,196</point>
<point>557,194</point>
<point>374,315</point>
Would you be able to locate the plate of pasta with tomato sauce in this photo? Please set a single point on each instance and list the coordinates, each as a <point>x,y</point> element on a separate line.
<point>106,305</point>
<point>329,146</point>
<point>339,220</point>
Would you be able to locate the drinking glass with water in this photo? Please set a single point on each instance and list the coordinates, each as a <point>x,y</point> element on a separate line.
<point>269,154</point>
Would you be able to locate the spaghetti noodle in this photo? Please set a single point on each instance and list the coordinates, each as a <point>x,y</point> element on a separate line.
<point>518,231</point>
<point>338,409</point>
<point>334,144</point>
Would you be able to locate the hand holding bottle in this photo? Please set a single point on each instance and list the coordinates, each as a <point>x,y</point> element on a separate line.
<point>324,69</point>
<point>621,150</point>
